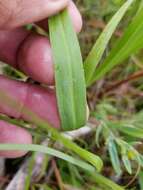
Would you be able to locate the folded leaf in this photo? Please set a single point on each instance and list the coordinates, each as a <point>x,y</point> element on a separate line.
<point>114,156</point>
<point>69,73</point>
<point>127,163</point>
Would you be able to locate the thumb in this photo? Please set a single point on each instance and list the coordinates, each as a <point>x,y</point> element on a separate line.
<point>18,13</point>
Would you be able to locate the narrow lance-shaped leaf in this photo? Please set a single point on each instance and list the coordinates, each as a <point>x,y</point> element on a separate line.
<point>104,181</point>
<point>132,131</point>
<point>127,163</point>
<point>124,154</point>
<point>69,73</point>
<point>114,156</point>
<point>141,160</point>
<point>96,53</point>
<point>98,133</point>
<point>50,151</point>
<point>130,43</point>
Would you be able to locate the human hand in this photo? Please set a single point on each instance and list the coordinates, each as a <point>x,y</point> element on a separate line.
<point>30,53</point>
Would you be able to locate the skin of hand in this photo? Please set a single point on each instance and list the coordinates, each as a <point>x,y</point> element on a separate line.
<point>30,53</point>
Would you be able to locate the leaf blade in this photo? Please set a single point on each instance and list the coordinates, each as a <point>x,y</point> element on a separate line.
<point>49,151</point>
<point>97,52</point>
<point>127,163</point>
<point>132,131</point>
<point>129,43</point>
<point>69,73</point>
<point>114,156</point>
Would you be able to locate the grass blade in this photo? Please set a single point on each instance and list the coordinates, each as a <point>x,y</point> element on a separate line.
<point>69,73</point>
<point>127,163</point>
<point>90,157</point>
<point>97,52</point>
<point>132,131</point>
<point>105,181</point>
<point>49,151</point>
<point>30,170</point>
<point>130,43</point>
<point>114,156</point>
<point>97,136</point>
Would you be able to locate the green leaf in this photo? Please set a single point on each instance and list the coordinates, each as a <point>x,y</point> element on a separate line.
<point>96,53</point>
<point>98,133</point>
<point>127,163</point>
<point>140,6</point>
<point>101,180</point>
<point>130,43</point>
<point>132,131</point>
<point>141,179</point>
<point>88,156</point>
<point>30,170</point>
<point>49,151</point>
<point>114,156</point>
<point>139,159</point>
<point>124,152</point>
<point>69,73</point>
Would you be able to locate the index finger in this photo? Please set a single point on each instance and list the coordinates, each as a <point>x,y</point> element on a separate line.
<point>31,53</point>
<point>18,13</point>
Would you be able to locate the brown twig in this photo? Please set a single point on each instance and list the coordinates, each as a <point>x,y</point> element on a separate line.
<point>130,78</point>
<point>135,177</point>
<point>57,174</point>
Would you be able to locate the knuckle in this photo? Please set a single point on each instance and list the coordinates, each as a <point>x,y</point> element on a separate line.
<point>7,13</point>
